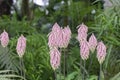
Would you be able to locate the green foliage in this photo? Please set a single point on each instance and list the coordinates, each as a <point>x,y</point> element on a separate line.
<point>8,60</point>
<point>106,27</point>
<point>71,76</point>
<point>7,75</point>
<point>79,12</point>
<point>93,77</point>
<point>71,12</point>
<point>116,77</point>
<point>36,58</point>
<point>15,27</point>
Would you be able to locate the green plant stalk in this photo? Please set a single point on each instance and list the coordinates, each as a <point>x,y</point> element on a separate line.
<point>100,72</point>
<point>23,68</point>
<point>60,72</point>
<point>83,71</point>
<point>91,61</point>
<point>22,72</point>
<point>60,66</point>
<point>64,63</point>
<point>55,74</point>
<point>66,56</point>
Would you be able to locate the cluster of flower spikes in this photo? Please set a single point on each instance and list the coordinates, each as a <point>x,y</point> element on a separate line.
<point>82,38</point>
<point>87,46</point>
<point>21,44</point>
<point>58,38</point>
<point>65,37</point>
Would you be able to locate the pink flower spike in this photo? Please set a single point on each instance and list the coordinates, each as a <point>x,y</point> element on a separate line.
<point>66,36</point>
<point>4,39</point>
<point>56,27</point>
<point>55,58</point>
<point>92,43</point>
<point>82,32</point>
<point>101,52</point>
<point>82,28</point>
<point>51,40</point>
<point>84,50</point>
<point>54,36</point>
<point>21,46</point>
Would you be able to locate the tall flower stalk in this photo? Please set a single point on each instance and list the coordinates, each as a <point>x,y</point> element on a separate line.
<point>21,46</point>
<point>4,38</point>
<point>55,56</point>
<point>84,45</point>
<point>101,54</point>
<point>54,40</point>
<point>59,38</point>
<point>92,45</point>
<point>66,36</point>
<point>84,52</point>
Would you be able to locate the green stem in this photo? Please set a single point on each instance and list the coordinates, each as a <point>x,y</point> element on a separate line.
<point>64,63</point>
<point>60,65</point>
<point>22,72</point>
<point>23,68</point>
<point>100,72</point>
<point>83,71</point>
<point>60,72</point>
<point>91,61</point>
<point>55,74</point>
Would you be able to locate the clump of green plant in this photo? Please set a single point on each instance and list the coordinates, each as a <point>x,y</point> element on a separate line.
<point>107,28</point>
